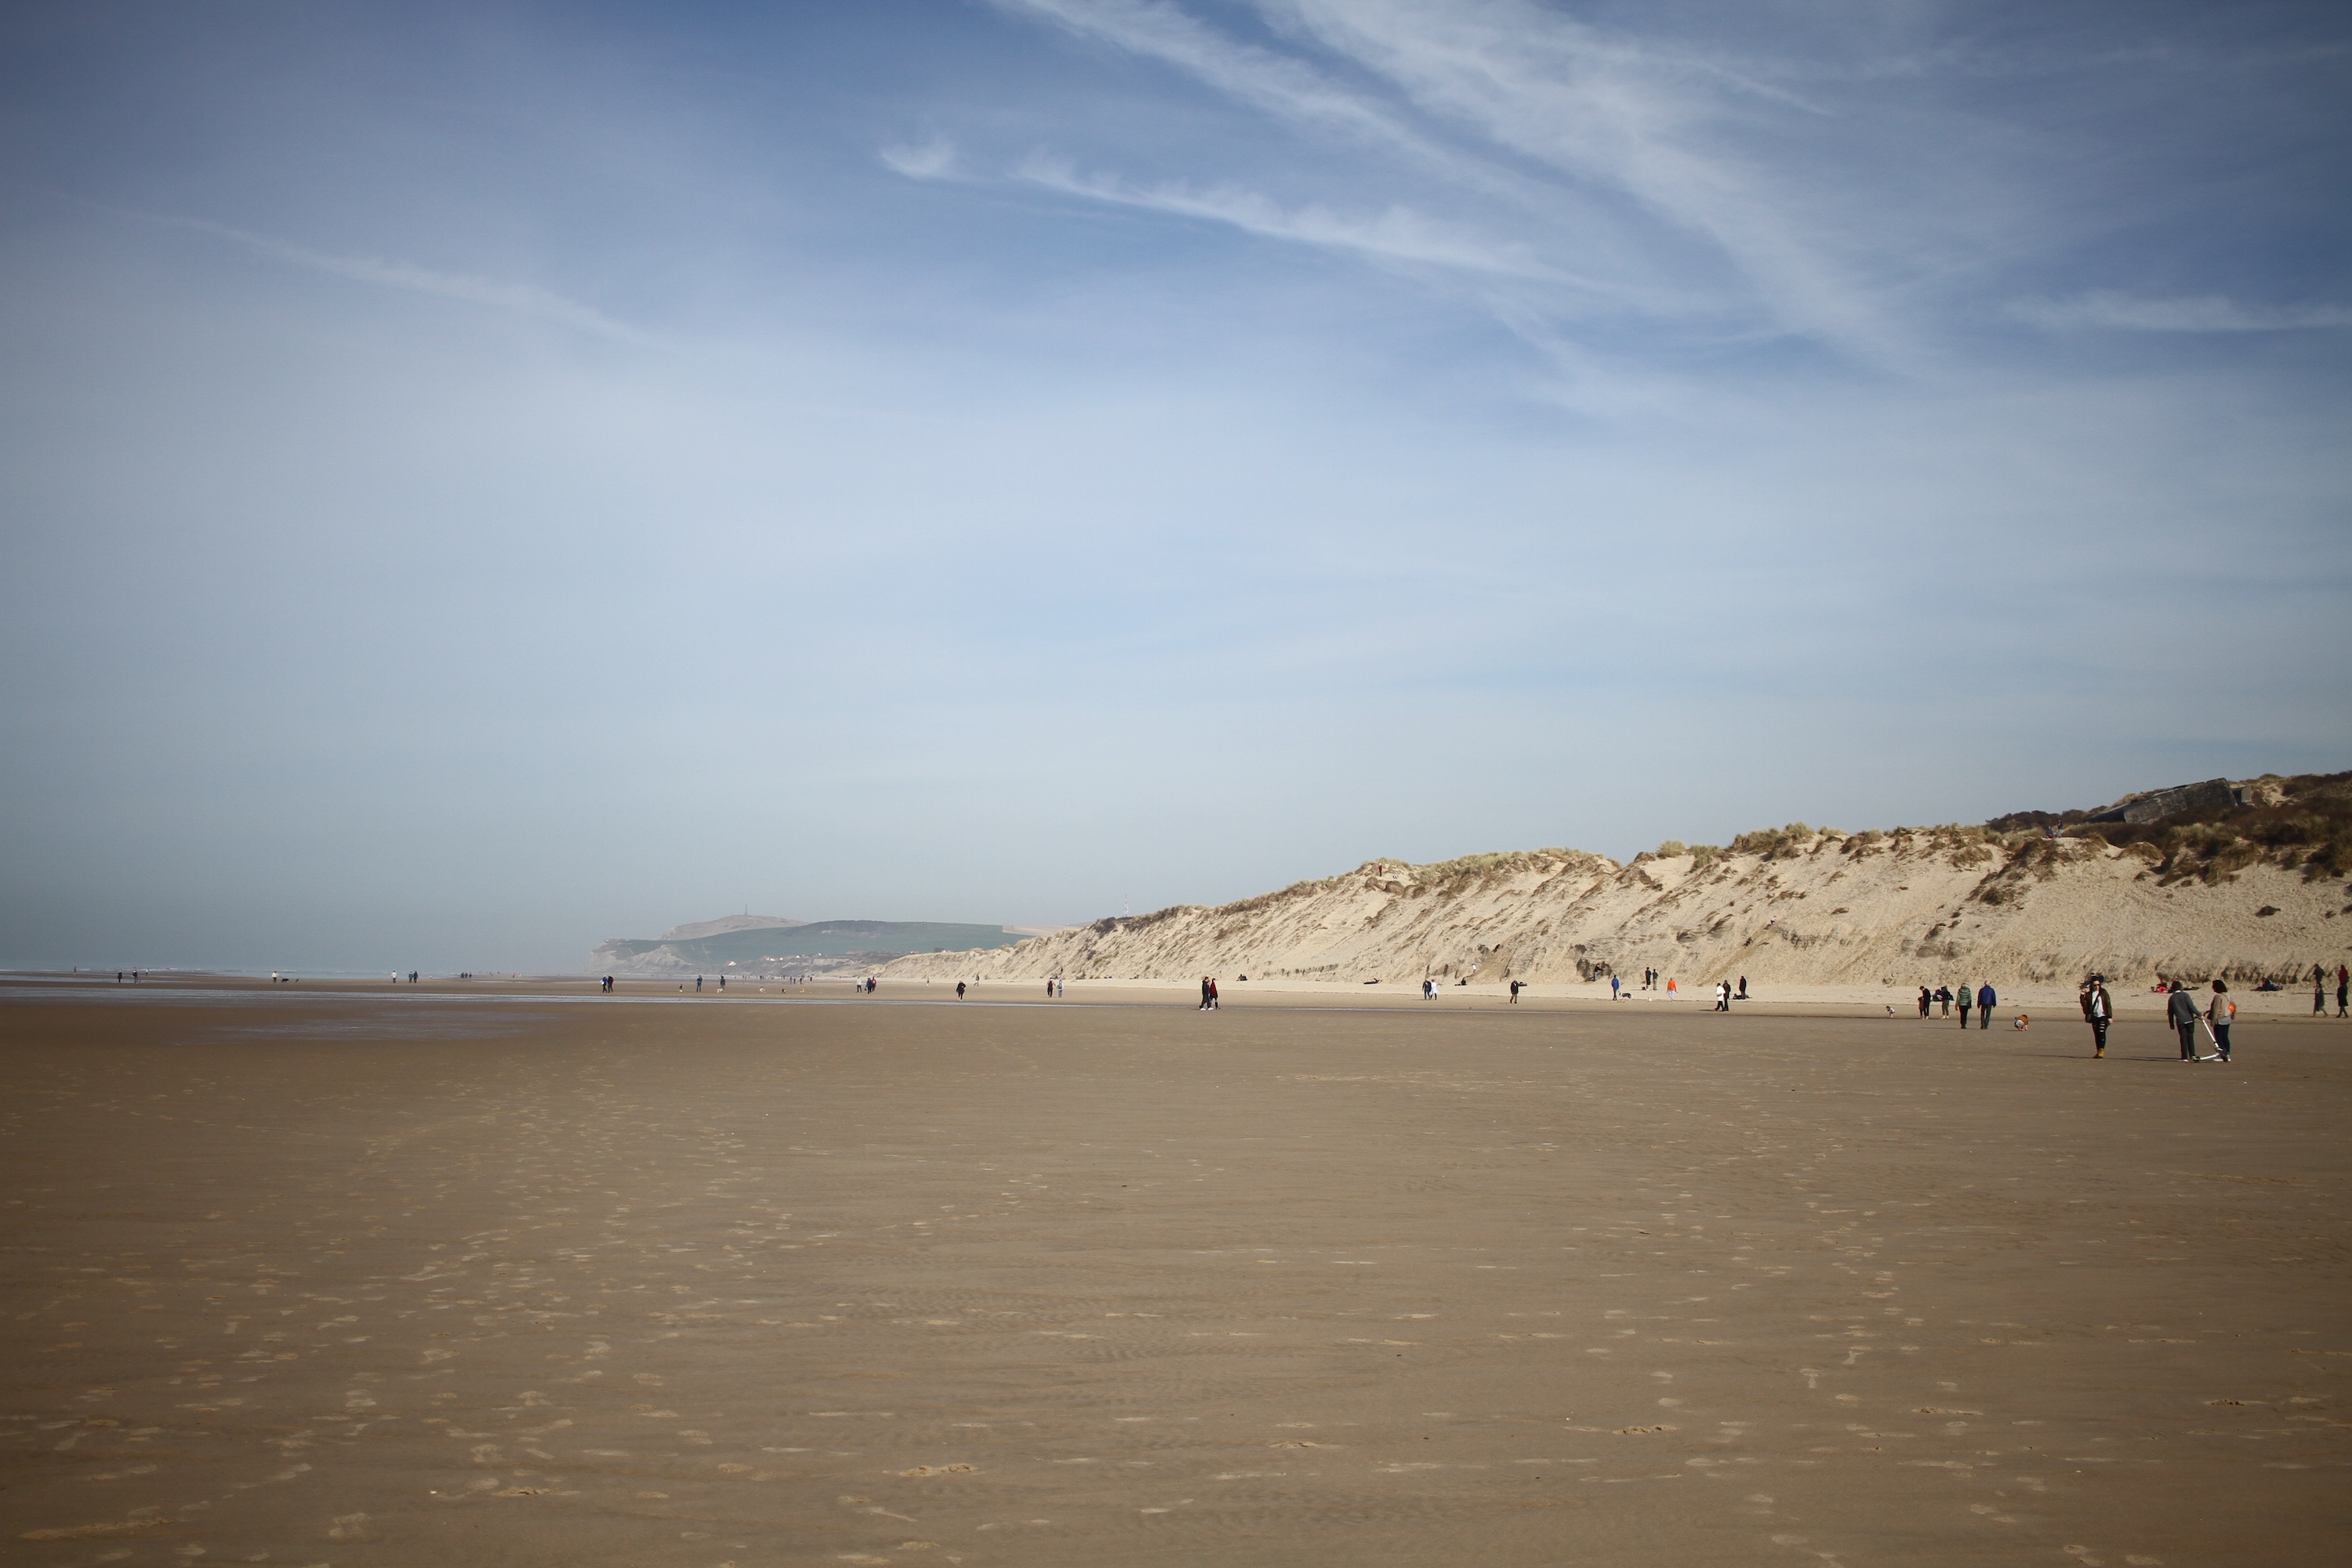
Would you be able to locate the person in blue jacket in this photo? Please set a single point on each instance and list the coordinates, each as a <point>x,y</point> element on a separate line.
<point>1986,1002</point>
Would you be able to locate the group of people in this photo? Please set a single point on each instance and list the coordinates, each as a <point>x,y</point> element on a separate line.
<point>2187,1018</point>
<point>2319,989</point>
<point>1984,998</point>
<point>1725,997</point>
<point>1209,991</point>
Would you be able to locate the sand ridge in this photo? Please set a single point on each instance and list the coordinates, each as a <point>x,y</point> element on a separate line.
<point>1932,906</point>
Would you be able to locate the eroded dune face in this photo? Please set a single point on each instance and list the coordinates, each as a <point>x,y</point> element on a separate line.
<point>1805,908</point>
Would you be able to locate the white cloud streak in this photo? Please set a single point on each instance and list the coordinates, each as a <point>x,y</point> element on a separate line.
<point>1394,234</point>
<point>519,298</point>
<point>1478,90</point>
<point>933,160</point>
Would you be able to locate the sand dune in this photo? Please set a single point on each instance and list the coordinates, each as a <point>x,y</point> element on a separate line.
<point>1818,907</point>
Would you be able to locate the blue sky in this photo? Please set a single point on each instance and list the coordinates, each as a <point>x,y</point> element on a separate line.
<point>481,480</point>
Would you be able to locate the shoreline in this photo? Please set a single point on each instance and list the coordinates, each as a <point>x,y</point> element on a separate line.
<point>2045,1005</point>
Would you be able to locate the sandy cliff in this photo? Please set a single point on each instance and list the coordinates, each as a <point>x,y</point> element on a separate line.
<point>1798,906</point>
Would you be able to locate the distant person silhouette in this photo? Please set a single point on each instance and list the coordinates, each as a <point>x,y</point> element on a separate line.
<point>1986,1000</point>
<point>959,990</point>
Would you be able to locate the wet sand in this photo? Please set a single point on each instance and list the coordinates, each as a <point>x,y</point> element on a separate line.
<point>310,1279</point>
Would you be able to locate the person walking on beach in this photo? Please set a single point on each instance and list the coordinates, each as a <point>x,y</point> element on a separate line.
<point>959,990</point>
<point>2319,989</point>
<point>1670,987</point>
<point>1944,995</point>
<point>1926,1001</point>
<point>1612,989</point>
<point>1204,996</point>
<point>1985,1001</point>
<point>2181,1009</point>
<point>1517,983</point>
<point>1216,997</point>
<point>2099,1010</point>
<point>2218,1016</point>
<point>2343,986</point>
<point>1967,997</point>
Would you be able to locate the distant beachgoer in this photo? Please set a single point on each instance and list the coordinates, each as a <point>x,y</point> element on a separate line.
<point>2219,1016</point>
<point>2319,990</point>
<point>697,983</point>
<point>1215,1001</point>
<point>2181,1009</point>
<point>1743,990</point>
<point>1986,1000</point>
<point>1204,996</point>
<point>1944,995</point>
<point>1612,989</point>
<point>959,990</point>
<point>1926,1001</point>
<point>1966,999</point>
<point>2100,1009</point>
<point>1670,986</point>
<point>1049,991</point>
<point>2343,987</point>
<point>1517,983</point>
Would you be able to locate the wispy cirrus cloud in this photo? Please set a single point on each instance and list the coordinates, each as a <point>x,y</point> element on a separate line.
<point>2106,309</point>
<point>1557,126</point>
<point>519,298</point>
<point>1392,234</point>
<point>932,160</point>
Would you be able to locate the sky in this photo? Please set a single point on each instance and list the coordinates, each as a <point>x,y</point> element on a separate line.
<point>479,480</point>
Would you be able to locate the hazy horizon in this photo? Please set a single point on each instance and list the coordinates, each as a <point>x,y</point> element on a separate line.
<point>483,480</point>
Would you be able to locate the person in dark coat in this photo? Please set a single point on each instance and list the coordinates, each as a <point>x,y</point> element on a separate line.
<point>1986,1002</point>
<point>2181,1009</point>
<point>2099,1011</point>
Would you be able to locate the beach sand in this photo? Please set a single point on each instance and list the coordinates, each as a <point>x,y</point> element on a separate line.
<point>314,1277</point>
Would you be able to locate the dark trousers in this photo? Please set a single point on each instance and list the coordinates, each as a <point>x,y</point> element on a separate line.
<point>1964,1015</point>
<point>1984,1017</point>
<point>2221,1041</point>
<point>2188,1039</point>
<point>2099,1034</point>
